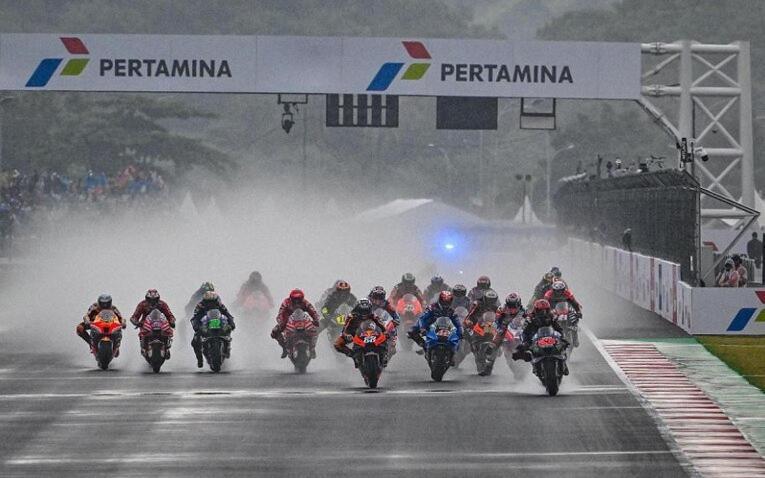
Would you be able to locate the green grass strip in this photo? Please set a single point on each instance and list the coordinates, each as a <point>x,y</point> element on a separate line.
<point>745,355</point>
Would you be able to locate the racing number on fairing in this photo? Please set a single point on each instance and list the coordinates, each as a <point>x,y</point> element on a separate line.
<point>547,342</point>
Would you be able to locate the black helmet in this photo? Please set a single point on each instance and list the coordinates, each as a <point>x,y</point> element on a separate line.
<point>105,301</point>
<point>489,298</point>
<point>459,290</point>
<point>255,277</point>
<point>363,307</point>
<point>483,282</point>
<point>377,293</point>
<point>408,278</point>
<point>555,271</point>
<point>437,280</point>
<point>513,301</point>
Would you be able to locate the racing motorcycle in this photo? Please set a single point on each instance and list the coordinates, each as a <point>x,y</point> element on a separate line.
<point>464,350</point>
<point>512,339</point>
<point>157,336</point>
<point>390,330</point>
<point>409,309</point>
<point>548,352</point>
<point>216,338</point>
<point>569,322</point>
<point>105,330</point>
<point>369,347</point>
<point>441,342</point>
<point>255,305</point>
<point>298,335</point>
<point>481,337</point>
<point>336,322</point>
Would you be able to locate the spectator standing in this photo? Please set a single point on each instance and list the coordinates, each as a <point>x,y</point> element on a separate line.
<point>743,275</point>
<point>754,250</point>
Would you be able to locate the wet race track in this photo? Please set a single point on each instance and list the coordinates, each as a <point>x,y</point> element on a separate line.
<point>61,416</point>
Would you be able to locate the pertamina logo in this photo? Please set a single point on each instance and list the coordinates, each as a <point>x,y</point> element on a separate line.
<point>388,72</point>
<point>48,66</point>
<point>744,316</point>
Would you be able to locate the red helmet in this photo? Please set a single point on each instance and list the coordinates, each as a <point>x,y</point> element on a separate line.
<point>297,296</point>
<point>542,304</point>
<point>445,298</point>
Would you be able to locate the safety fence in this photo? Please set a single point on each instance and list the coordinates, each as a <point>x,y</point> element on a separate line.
<point>654,284</point>
<point>660,209</point>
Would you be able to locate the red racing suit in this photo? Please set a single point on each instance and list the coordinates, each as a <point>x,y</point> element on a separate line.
<point>400,290</point>
<point>567,295</point>
<point>144,308</point>
<point>285,310</point>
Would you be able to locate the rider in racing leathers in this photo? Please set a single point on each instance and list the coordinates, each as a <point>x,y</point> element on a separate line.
<point>459,292</point>
<point>440,308</point>
<point>482,285</point>
<point>377,297</point>
<point>436,286</point>
<point>143,309</point>
<point>210,300</point>
<point>254,284</point>
<point>104,302</point>
<point>295,301</point>
<point>406,286</point>
<point>197,296</point>
<point>486,303</point>
<point>540,316</point>
<point>561,293</point>
<point>510,313</point>
<point>340,295</point>
<point>364,310</point>
<point>541,288</point>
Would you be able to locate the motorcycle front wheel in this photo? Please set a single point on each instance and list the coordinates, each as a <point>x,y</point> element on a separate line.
<point>551,378</point>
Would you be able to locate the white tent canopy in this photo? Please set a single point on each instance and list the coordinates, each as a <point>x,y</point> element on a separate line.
<point>526,214</point>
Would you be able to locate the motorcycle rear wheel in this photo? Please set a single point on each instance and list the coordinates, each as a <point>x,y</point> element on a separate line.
<point>551,380</point>
<point>157,357</point>
<point>215,356</point>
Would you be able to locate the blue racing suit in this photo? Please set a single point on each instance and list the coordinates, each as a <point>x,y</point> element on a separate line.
<point>433,312</point>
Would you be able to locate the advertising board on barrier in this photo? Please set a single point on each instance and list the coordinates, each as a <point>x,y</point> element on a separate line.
<point>728,311</point>
<point>293,64</point>
<point>654,284</point>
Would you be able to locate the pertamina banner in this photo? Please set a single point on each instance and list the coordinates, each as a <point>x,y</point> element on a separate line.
<point>268,64</point>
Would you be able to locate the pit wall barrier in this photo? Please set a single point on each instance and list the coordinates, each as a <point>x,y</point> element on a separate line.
<point>654,284</point>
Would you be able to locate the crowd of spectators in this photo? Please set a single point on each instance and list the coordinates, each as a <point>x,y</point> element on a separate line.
<point>26,199</point>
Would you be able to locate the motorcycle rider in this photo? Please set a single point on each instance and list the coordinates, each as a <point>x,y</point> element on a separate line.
<point>210,300</point>
<point>406,286</point>
<point>340,295</point>
<point>377,297</point>
<point>440,308</point>
<point>488,302</point>
<point>540,316</point>
<point>363,310</point>
<point>254,284</point>
<point>436,286</point>
<point>459,292</point>
<point>104,302</point>
<point>541,288</point>
<point>482,285</point>
<point>559,292</point>
<point>510,313</point>
<point>296,300</point>
<point>143,309</point>
<point>197,296</point>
